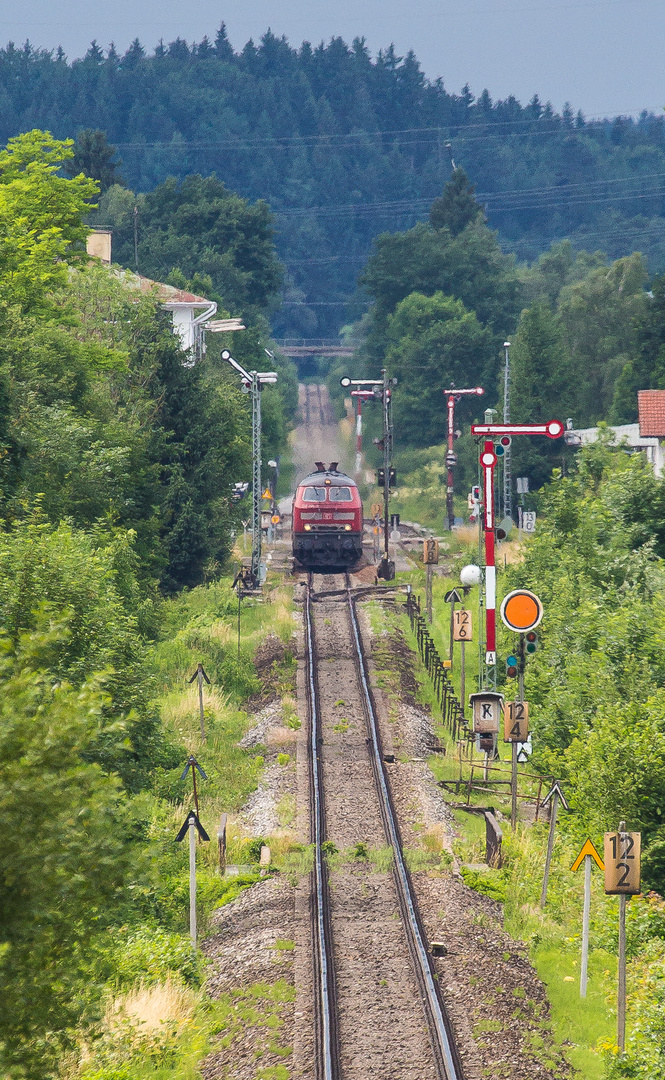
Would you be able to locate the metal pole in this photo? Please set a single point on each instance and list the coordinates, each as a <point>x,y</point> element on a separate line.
<point>192,882</point>
<point>428,592</point>
<point>450,508</point>
<point>507,477</point>
<point>452,631</point>
<point>256,478</point>
<point>238,621</point>
<point>621,1003</point>
<point>513,786</point>
<point>359,432</point>
<point>550,848</point>
<point>585,925</point>
<point>520,697</point>
<point>462,677</point>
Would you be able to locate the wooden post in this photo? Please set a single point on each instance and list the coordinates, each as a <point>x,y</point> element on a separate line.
<point>192,882</point>
<point>585,926</point>
<point>428,592</point>
<point>221,843</point>
<point>550,848</point>
<point>199,673</point>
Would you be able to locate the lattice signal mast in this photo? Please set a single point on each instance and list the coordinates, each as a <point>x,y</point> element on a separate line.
<point>451,457</point>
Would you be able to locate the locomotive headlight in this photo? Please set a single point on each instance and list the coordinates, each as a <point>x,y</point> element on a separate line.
<point>307,527</point>
<point>347,528</point>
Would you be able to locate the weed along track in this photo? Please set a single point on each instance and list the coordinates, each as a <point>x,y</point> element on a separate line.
<point>378,1011</point>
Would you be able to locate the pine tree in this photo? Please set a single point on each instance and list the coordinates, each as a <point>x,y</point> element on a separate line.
<point>93,156</point>
<point>456,207</point>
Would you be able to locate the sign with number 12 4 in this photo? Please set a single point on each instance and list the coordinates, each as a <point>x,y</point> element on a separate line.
<point>516,721</point>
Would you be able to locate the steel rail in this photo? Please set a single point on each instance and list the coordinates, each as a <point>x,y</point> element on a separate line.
<point>324,977</point>
<point>441,1035</point>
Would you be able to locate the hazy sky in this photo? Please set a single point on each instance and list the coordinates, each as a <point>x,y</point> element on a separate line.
<point>604,56</point>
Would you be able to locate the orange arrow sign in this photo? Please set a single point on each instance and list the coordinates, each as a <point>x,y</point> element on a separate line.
<point>588,849</point>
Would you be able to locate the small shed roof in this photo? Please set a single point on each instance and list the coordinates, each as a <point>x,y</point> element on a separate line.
<point>651,412</point>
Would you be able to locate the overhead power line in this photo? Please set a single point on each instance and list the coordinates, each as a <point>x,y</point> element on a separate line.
<point>543,124</point>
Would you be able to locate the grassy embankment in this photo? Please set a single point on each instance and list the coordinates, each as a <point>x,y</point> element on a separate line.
<point>582,1027</point>
<point>159,1021</point>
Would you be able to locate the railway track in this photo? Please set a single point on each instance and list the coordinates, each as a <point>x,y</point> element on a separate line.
<point>315,411</point>
<point>339,1044</point>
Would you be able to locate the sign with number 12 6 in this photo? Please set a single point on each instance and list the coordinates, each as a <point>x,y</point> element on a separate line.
<point>622,863</point>
<point>462,626</point>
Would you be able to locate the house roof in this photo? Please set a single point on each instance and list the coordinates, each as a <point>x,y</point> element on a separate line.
<point>168,294</point>
<point>651,413</point>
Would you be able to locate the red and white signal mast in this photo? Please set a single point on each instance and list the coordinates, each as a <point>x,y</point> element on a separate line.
<point>553,429</point>
<point>451,456</point>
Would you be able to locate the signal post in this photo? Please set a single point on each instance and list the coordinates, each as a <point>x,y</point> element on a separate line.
<point>382,390</point>
<point>521,611</point>
<point>553,429</point>
<point>451,457</point>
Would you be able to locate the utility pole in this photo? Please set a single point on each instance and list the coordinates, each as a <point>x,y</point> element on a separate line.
<point>451,457</point>
<point>382,391</point>
<point>253,382</point>
<point>507,475</point>
<point>136,237</point>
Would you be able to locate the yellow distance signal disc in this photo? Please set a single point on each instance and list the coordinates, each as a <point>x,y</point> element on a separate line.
<point>521,610</point>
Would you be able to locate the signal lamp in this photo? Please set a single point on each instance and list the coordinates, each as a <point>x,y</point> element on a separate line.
<point>499,450</point>
<point>501,534</point>
<point>505,441</point>
<point>531,641</point>
<point>511,667</point>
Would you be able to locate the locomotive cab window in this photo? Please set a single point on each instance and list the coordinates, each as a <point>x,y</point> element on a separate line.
<point>341,494</point>
<point>314,494</point>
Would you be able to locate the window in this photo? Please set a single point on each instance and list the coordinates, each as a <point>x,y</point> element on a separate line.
<point>314,494</point>
<point>341,494</point>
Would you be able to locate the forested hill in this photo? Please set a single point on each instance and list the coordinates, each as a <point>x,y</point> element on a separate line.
<point>344,147</point>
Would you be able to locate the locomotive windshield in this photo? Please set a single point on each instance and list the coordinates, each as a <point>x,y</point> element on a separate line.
<point>314,494</point>
<point>341,494</point>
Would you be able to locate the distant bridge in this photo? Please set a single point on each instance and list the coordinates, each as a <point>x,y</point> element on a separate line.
<point>297,348</point>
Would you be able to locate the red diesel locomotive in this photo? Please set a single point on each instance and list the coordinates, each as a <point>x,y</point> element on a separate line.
<point>327,519</point>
